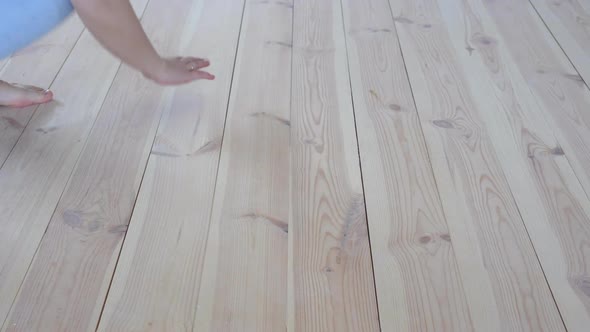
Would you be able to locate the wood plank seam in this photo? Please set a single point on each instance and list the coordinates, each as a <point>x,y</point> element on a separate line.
<point>136,195</point>
<point>552,199</point>
<point>55,208</point>
<point>419,116</point>
<point>2,162</point>
<point>563,49</point>
<point>94,122</point>
<point>5,319</point>
<point>460,100</point>
<point>518,209</point>
<point>291,305</point>
<point>226,114</point>
<point>77,160</point>
<point>360,163</point>
<point>394,31</point>
<point>121,295</point>
<point>577,175</point>
<point>130,217</point>
<point>558,43</point>
<point>584,81</point>
<point>252,168</point>
<point>540,264</point>
<point>563,95</point>
<point>3,64</point>
<point>415,105</point>
<point>118,67</point>
<point>332,263</point>
<point>227,103</point>
<point>226,110</point>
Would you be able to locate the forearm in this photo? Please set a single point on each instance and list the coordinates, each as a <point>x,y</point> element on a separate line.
<point>117,28</point>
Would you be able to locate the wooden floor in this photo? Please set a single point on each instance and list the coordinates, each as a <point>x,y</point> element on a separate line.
<point>393,165</point>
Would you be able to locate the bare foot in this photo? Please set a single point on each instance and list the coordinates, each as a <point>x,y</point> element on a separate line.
<point>16,95</point>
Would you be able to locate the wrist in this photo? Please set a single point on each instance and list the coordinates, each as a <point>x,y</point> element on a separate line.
<point>154,68</point>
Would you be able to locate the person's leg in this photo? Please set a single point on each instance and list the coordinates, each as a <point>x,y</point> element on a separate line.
<point>21,23</point>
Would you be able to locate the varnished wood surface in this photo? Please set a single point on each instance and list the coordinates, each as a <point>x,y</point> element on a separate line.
<point>36,172</point>
<point>552,203</point>
<point>333,286</point>
<point>37,65</point>
<point>554,81</point>
<point>165,248</point>
<point>410,239</point>
<point>569,23</point>
<point>379,165</point>
<point>495,256</point>
<point>244,283</point>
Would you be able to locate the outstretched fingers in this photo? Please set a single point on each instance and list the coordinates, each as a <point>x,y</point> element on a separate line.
<point>202,75</point>
<point>195,63</point>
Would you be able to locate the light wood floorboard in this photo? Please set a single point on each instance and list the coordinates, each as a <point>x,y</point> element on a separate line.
<point>157,281</point>
<point>244,284</point>
<point>375,165</point>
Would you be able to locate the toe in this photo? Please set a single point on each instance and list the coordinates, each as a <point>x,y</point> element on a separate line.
<point>15,95</point>
<point>47,96</point>
<point>38,95</point>
<point>31,95</point>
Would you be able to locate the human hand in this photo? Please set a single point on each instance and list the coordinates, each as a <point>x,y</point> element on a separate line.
<point>179,70</point>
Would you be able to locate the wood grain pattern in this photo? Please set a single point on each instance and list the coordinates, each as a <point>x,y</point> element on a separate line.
<point>331,261</point>
<point>244,283</point>
<point>36,65</point>
<point>494,253</point>
<point>157,281</point>
<point>36,172</point>
<point>569,22</point>
<point>67,282</point>
<point>552,202</point>
<point>414,260</point>
<point>473,137</point>
<point>3,63</point>
<point>553,80</point>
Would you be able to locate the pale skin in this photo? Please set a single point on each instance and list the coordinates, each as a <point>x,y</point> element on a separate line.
<point>117,28</point>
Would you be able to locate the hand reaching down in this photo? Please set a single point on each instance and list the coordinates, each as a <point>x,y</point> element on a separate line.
<point>117,28</point>
<point>179,70</point>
